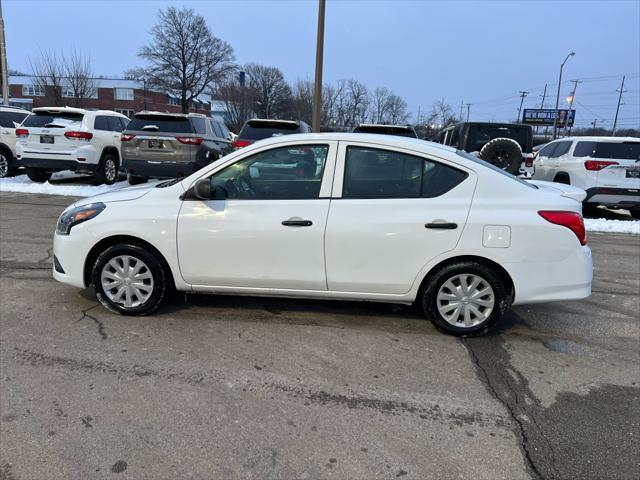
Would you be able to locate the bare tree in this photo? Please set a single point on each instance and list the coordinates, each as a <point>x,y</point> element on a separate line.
<point>238,101</point>
<point>302,100</point>
<point>184,57</point>
<point>443,112</point>
<point>380,103</point>
<point>397,110</point>
<point>48,72</point>
<point>273,93</point>
<point>79,77</point>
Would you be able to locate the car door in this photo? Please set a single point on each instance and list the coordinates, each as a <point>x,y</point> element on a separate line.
<point>543,163</point>
<point>559,157</point>
<point>268,230</point>
<point>392,212</point>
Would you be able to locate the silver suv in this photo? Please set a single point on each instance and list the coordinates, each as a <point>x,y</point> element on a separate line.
<point>168,145</point>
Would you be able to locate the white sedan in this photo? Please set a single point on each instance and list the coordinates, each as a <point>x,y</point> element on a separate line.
<point>334,216</point>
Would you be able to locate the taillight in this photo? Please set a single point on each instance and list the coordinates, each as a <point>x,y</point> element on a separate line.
<point>595,165</point>
<point>79,135</point>
<point>125,137</point>
<point>572,220</point>
<point>240,143</point>
<point>22,132</point>
<point>190,140</point>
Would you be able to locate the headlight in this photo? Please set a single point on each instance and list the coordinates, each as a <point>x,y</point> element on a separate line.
<point>78,215</point>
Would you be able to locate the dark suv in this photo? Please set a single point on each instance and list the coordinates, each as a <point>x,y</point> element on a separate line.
<point>168,145</point>
<point>258,129</point>
<point>505,145</point>
<point>400,130</point>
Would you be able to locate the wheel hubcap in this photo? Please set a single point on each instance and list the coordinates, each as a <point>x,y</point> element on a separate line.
<point>465,300</point>
<point>127,281</point>
<point>110,170</point>
<point>4,166</point>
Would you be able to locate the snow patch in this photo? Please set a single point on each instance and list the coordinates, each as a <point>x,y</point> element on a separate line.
<point>22,184</point>
<point>612,226</point>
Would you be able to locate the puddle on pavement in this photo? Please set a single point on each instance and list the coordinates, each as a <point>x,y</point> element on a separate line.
<point>567,346</point>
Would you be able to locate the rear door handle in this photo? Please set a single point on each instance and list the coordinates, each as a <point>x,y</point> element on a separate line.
<point>442,226</point>
<point>297,223</point>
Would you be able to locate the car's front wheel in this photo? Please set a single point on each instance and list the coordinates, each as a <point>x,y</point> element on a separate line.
<point>465,298</point>
<point>6,167</point>
<point>129,279</point>
<point>38,175</point>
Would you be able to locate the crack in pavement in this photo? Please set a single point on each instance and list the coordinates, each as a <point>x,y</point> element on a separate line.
<point>510,388</point>
<point>99,323</point>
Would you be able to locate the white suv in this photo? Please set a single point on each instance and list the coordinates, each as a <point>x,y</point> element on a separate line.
<point>10,118</point>
<point>63,138</point>
<point>608,168</point>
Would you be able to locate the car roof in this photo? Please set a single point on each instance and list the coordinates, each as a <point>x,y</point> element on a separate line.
<point>253,121</point>
<point>389,140</point>
<point>382,125</point>
<point>60,109</point>
<point>170,114</point>
<point>601,139</point>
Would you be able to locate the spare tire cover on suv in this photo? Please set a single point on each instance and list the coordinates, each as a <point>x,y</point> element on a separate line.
<point>504,153</point>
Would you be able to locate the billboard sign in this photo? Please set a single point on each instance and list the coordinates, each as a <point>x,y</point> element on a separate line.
<point>546,116</point>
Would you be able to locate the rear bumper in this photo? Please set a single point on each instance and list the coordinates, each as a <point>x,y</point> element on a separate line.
<point>622,197</point>
<point>160,169</point>
<point>56,164</point>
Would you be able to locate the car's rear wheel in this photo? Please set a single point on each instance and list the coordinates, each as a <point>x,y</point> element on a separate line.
<point>136,179</point>
<point>107,171</point>
<point>129,279</point>
<point>38,175</point>
<point>635,213</point>
<point>465,298</point>
<point>6,168</point>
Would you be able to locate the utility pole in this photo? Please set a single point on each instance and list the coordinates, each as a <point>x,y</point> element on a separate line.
<point>615,121</point>
<point>317,87</point>
<point>523,94</point>
<point>555,120</point>
<point>468,109</point>
<point>3,61</point>
<point>461,106</point>
<point>571,98</point>
<point>544,96</point>
<point>594,123</point>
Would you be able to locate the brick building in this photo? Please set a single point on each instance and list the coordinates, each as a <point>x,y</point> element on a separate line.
<point>124,96</point>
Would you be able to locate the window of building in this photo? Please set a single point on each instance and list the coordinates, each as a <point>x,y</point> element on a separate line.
<point>172,100</point>
<point>124,93</point>
<point>126,111</point>
<point>69,92</point>
<point>32,91</point>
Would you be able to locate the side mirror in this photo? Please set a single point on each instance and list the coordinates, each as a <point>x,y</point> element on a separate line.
<point>202,189</point>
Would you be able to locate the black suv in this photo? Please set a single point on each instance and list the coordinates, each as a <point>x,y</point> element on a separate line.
<point>400,130</point>
<point>168,145</point>
<point>504,145</point>
<point>258,129</point>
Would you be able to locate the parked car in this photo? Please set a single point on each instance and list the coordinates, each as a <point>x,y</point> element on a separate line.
<point>53,139</point>
<point>506,145</point>
<point>401,130</point>
<point>334,216</point>
<point>259,129</point>
<point>608,168</point>
<point>10,118</point>
<point>168,145</point>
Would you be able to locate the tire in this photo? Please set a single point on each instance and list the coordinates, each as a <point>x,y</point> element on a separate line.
<point>433,298</point>
<point>504,153</point>
<point>635,213</point>
<point>136,179</point>
<point>38,175</point>
<point>6,165</point>
<point>110,268</point>
<point>107,172</point>
<point>562,178</point>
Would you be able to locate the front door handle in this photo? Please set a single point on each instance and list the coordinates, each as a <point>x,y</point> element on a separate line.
<point>442,226</point>
<point>297,223</point>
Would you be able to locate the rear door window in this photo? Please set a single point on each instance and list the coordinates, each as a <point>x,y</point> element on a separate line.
<point>376,173</point>
<point>584,149</point>
<point>215,128</point>
<point>53,120</point>
<point>618,150</point>
<point>160,123</point>
<point>224,131</point>
<point>102,123</point>
<point>199,125</point>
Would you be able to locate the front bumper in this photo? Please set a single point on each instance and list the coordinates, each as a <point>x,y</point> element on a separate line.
<point>70,253</point>
<point>56,164</point>
<point>609,196</point>
<point>160,169</point>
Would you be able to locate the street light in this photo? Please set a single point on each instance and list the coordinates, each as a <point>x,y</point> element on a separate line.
<point>555,119</point>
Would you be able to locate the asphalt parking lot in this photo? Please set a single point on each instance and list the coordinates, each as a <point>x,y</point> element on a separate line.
<point>234,387</point>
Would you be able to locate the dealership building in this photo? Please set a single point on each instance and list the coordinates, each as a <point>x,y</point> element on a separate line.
<point>124,96</point>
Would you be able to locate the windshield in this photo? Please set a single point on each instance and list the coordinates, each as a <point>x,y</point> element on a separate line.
<point>53,120</point>
<point>475,159</point>
<point>7,118</point>
<point>160,123</point>
<point>479,135</point>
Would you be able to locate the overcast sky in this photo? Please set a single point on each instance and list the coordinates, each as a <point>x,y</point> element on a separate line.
<point>478,52</point>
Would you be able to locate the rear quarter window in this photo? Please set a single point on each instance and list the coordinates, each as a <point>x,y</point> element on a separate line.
<point>584,149</point>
